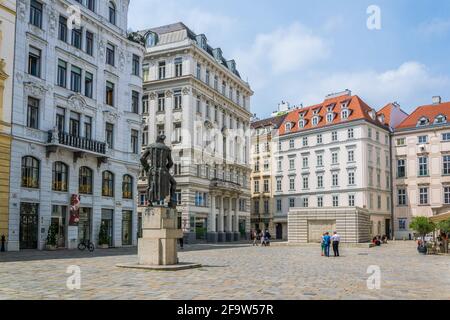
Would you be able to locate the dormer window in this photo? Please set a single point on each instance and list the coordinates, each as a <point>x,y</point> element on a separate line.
<point>302,123</point>
<point>440,119</point>
<point>151,40</point>
<point>330,117</point>
<point>344,114</point>
<point>288,127</point>
<point>315,121</point>
<point>423,122</point>
<point>372,114</point>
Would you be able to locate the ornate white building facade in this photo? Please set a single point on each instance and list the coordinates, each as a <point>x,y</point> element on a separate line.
<point>76,123</point>
<point>332,171</point>
<point>197,98</point>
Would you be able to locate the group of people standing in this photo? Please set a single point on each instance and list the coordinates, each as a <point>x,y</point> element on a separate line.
<point>328,241</point>
<point>261,236</point>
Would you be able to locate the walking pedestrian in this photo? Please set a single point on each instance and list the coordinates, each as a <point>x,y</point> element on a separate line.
<point>255,238</point>
<point>327,240</point>
<point>336,239</point>
<point>322,245</point>
<point>181,243</point>
<point>263,238</point>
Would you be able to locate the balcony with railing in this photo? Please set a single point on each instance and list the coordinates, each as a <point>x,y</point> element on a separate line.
<point>78,145</point>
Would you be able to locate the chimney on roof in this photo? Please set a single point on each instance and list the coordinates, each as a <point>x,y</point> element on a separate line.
<point>346,92</point>
<point>437,100</point>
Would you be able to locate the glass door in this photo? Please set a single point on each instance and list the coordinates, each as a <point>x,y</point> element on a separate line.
<point>127,228</point>
<point>59,219</point>
<point>84,225</point>
<point>107,220</point>
<point>28,230</point>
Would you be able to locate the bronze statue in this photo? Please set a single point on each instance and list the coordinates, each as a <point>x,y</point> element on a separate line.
<point>156,162</point>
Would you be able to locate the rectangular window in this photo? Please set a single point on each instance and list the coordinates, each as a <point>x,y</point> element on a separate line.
<point>88,127</point>
<point>320,201</point>
<point>199,71</point>
<point>89,43</point>
<point>319,181</point>
<point>136,65</point>
<point>178,67</point>
<point>135,141</point>
<point>33,113</point>
<point>145,104</point>
<point>351,178</point>
<point>109,99</point>
<point>319,139</point>
<point>336,201</point>
<point>161,102</point>
<point>61,119</point>
<point>401,168</point>
<point>401,194</point>
<point>291,164</point>
<point>422,139</point>
<point>207,77</point>
<point>305,141</point>
<point>109,133</point>
<point>75,79</point>
<point>291,202</point>
<point>62,73</point>
<point>216,83</point>
<point>291,144</point>
<point>447,195</point>
<point>34,62</point>
<point>36,13</point>
<point>135,102</point>
<point>319,160</point>
<point>279,205</point>
<point>334,136</point>
<point>279,185</point>
<point>335,179</point>
<point>305,163</point>
<point>88,84</point>
<point>110,54</point>
<point>305,183</point>
<point>177,132</point>
<point>350,133</point>
<point>62,29</point>
<point>402,224</point>
<point>91,5</point>
<point>379,202</point>
<point>334,158</point>
<point>351,200</point>
<point>423,166</point>
<point>401,142</point>
<point>266,185</point>
<point>423,196</point>
<point>77,38</point>
<point>446,136</point>
<point>446,165</point>
<point>351,156</point>
<point>291,184</point>
<point>160,129</point>
<point>177,100</point>
<point>74,124</point>
<point>305,202</point>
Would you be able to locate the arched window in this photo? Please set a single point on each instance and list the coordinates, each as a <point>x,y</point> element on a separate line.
<point>85,181</point>
<point>440,119</point>
<point>288,127</point>
<point>60,176</point>
<point>330,117</point>
<point>107,184</point>
<point>344,114</point>
<point>423,122</point>
<point>127,187</point>
<point>301,123</point>
<point>112,12</point>
<point>30,172</point>
<point>315,121</point>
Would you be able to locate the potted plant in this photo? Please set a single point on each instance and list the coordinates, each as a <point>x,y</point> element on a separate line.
<point>103,238</point>
<point>52,237</point>
<point>423,226</point>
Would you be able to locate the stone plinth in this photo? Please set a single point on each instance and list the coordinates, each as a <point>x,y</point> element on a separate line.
<point>158,245</point>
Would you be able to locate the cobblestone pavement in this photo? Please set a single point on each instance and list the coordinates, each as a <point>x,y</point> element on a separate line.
<point>230,272</point>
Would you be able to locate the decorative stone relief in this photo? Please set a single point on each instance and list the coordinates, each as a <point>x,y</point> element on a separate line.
<point>22,9</point>
<point>152,96</point>
<point>121,60</point>
<point>52,21</point>
<point>76,102</point>
<point>111,116</point>
<point>33,133</point>
<point>35,89</point>
<point>168,94</point>
<point>101,48</point>
<point>186,91</point>
<point>19,77</point>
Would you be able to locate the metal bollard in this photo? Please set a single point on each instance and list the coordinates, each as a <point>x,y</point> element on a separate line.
<point>3,243</point>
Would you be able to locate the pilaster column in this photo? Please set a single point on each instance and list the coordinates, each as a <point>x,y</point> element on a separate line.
<point>221,214</point>
<point>236,216</point>
<point>212,215</point>
<point>230,216</point>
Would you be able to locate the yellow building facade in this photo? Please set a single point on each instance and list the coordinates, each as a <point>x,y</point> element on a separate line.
<point>7,42</point>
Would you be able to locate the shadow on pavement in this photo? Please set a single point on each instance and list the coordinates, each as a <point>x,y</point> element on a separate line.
<point>35,255</point>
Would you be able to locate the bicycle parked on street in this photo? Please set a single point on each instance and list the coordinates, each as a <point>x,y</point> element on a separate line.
<point>86,244</point>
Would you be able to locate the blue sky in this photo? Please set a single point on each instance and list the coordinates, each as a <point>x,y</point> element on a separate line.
<point>299,51</point>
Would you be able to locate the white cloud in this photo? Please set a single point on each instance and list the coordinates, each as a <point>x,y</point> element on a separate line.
<point>154,13</point>
<point>434,27</point>
<point>411,84</point>
<point>285,50</point>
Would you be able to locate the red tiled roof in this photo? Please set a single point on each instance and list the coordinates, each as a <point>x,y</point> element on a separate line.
<point>386,112</point>
<point>428,111</point>
<point>274,121</point>
<point>357,107</point>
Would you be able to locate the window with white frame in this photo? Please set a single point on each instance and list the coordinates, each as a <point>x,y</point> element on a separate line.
<point>351,200</point>
<point>423,195</point>
<point>319,160</point>
<point>291,184</point>
<point>423,166</point>
<point>446,165</point>
<point>305,162</point>
<point>279,185</point>
<point>319,139</point>
<point>305,141</point>
<point>291,144</point>
<point>351,178</point>
<point>320,201</point>
<point>422,139</point>
<point>334,158</point>
<point>291,202</point>
<point>334,136</point>
<point>319,182</point>
<point>351,155</point>
<point>291,164</point>
<point>305,182</point>
<point>335,179</point>
<point>350,133</point>
<point>447,194</point>
<point>305,202</point>
<point>335,201</point>
<point>401,197</point>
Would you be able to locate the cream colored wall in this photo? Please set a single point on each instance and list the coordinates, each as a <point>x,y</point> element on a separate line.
<point>7,40</point>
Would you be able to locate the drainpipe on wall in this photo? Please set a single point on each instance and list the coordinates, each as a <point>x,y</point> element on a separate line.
<point>391,134</point>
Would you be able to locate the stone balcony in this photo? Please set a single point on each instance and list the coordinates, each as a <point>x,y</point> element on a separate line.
<point>78,145</point>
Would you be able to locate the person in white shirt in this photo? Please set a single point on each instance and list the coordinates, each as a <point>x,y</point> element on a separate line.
<point>335,239</point>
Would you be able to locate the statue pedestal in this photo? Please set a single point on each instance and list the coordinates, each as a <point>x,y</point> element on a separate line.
<point>158,245</point>
<point>157,249</point>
